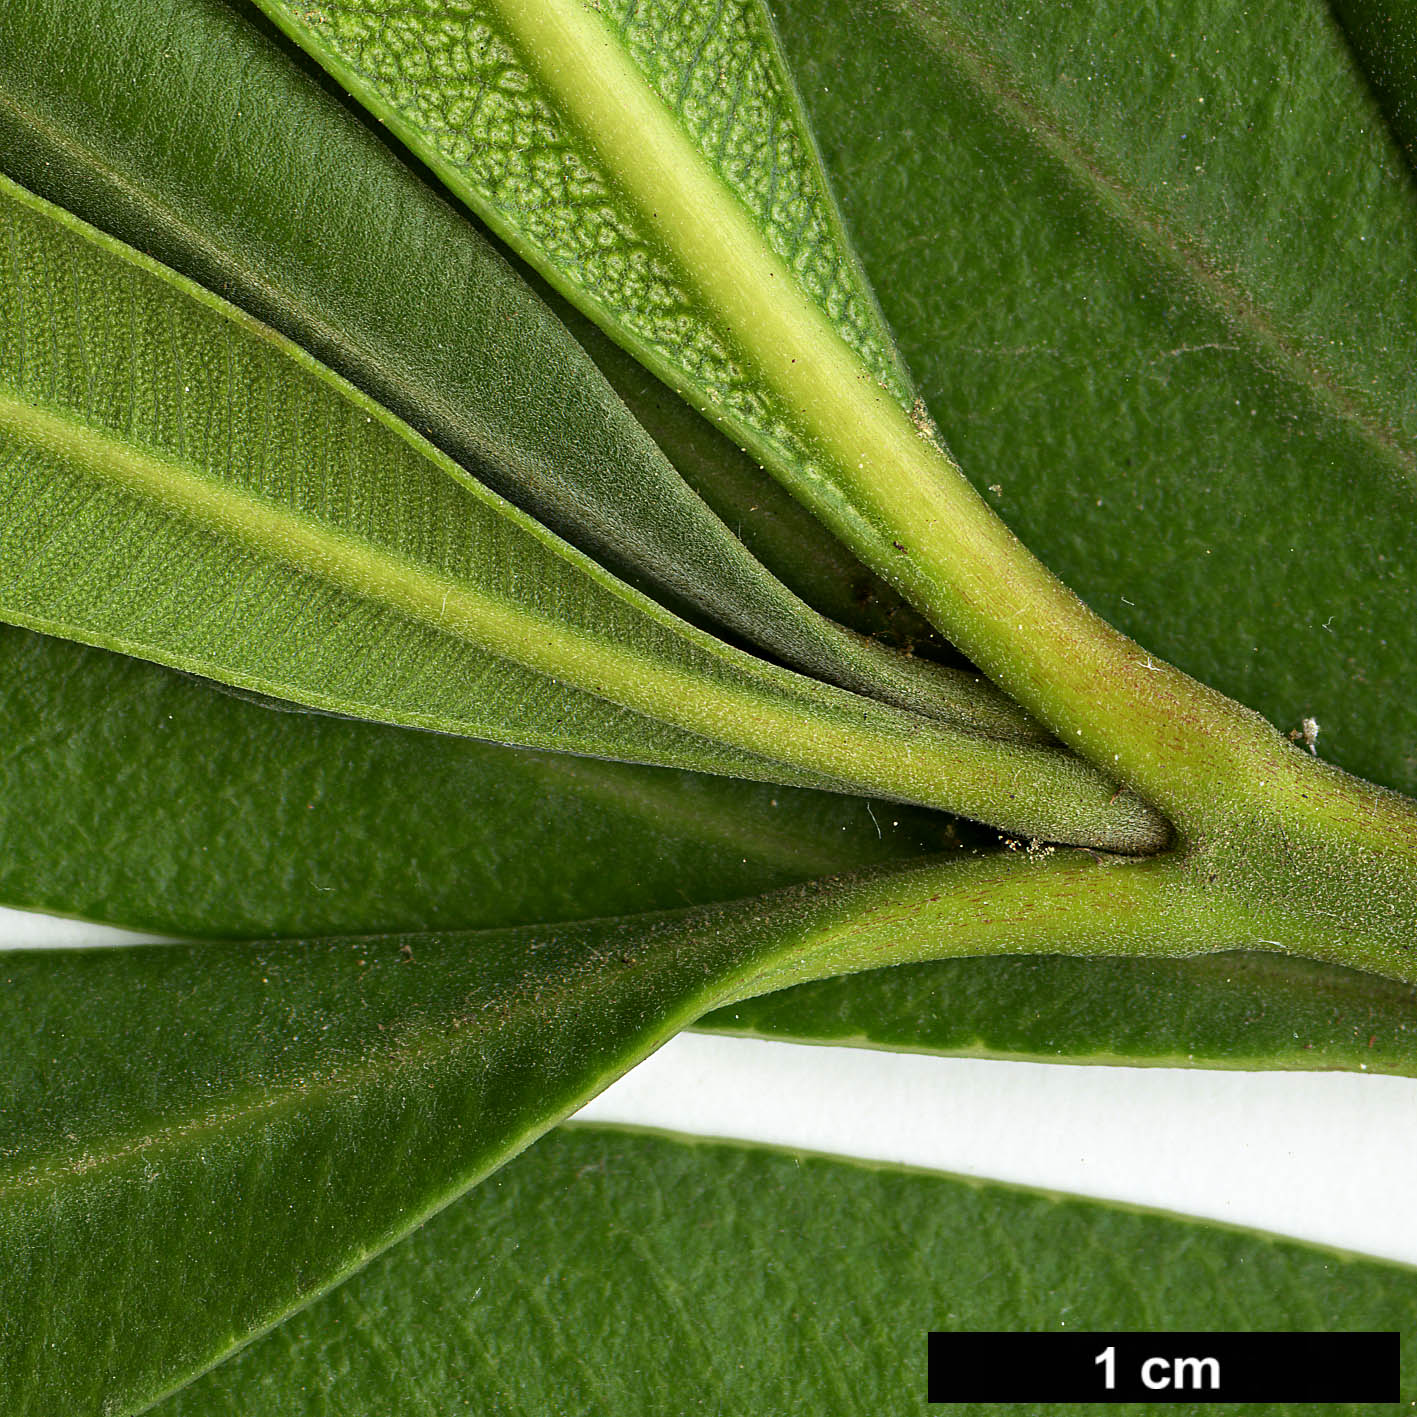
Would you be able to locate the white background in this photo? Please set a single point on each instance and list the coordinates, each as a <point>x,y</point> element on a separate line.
<point>1329,1157</point>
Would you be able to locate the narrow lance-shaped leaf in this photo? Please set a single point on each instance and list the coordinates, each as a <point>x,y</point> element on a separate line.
<point>593,131</point>
<point>181,483</point>
<point>269,1117</point>
<point>221,160</point>
<point>709,1300</point>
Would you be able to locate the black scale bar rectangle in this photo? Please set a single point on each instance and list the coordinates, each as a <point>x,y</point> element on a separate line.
<point>1164,1367</point>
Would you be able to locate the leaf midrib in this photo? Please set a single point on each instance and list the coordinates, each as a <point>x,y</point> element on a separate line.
<point>620,674</point>
<point>1289,355</point>
<point>415,1052</point>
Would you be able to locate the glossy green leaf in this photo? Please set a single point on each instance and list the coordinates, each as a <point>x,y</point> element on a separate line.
<point>427,319</point>
<point>751,1280</point>
<point>284,533</point>
<point>1240,1010</point>
<point>268,1117</point>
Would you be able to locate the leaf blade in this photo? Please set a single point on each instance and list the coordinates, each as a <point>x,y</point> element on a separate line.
<point>541,430</point>
<point>717,1304</point>
<point>586,168</point>
<point>366,564</point>
<point>136,796</point>
<point>315,1100</point>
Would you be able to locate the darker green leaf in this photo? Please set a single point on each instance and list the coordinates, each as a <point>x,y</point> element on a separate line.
<point>609,1272</point>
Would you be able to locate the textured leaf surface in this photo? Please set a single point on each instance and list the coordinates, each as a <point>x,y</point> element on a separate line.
<point>653,163</point>
<point>223,159</point>
<point>779,531</point>
<point>474,98</point>
<point>759,1281</point>
<point>1383,37</point>
<point>283,533</point>
<point>938,1028</point>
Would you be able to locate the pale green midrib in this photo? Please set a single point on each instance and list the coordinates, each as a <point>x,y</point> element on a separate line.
<point>821,200</point>
<point>719,247</point>
<point>732,714</point>
<point>898,499</point>
<point>839,513</point>
<point>1289,355</point>
<point>901,501</point>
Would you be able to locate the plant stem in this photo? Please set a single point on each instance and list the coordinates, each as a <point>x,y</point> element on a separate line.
<point>1321,862</point>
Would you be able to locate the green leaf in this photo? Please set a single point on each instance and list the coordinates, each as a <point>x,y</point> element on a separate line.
<point>1237,1010</point>
<point>1156,1028</point>
<point>500,1303</point>
<point>284,533</point>
<point>428,320</point>
<point>779,531</point>
<point>1204,499</point>
<point>268,1117</point>
<point>487,101</point>
<point>1383,37</point>
<point>136,796</point>
<point>653,163</point>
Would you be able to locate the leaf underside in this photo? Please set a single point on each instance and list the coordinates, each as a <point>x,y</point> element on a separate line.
<point>427,319</point>
<point>283,533</point>
<point>1219,344</point>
